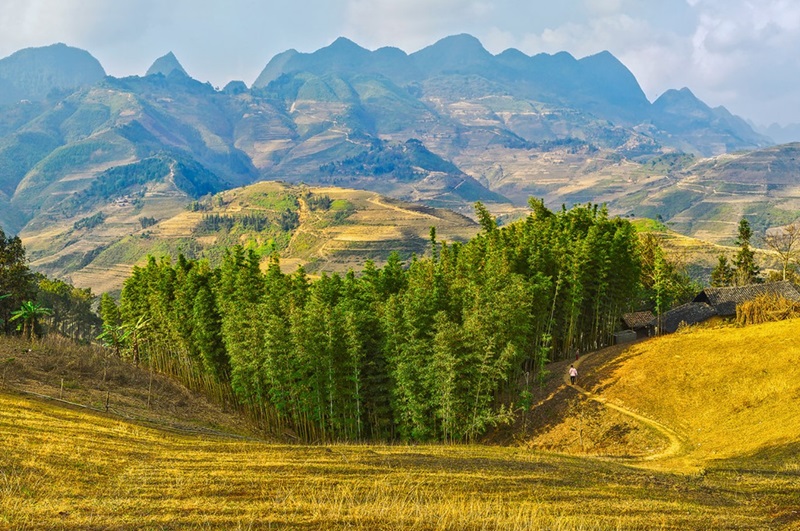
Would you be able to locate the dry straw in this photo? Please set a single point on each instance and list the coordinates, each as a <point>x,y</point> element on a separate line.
<point>766,308</point>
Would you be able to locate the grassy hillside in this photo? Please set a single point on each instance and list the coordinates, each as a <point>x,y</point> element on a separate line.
<point>727,394</point>
<point>741,386</point>
<point>78,469</point>
<point>324,229</point>
<point>91,377</point>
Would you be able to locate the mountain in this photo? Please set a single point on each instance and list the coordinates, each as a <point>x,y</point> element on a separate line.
<point>448,125</point>
<point>33,73</point>
<point>781,134</point>
<point>706,198</point>
<point>458,69</point>
<point>165,65</point>
<point>715,131</point>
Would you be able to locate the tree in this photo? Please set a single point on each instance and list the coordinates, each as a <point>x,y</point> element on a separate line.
<point>664,279</point>
<point>72,315</point>
<point>114,337</point>
<point>29,313</point>
<point>746,270</point>
<point>485,218</point>
<point>785,241</point>
<point>16,279</point>
<point>723,274</point>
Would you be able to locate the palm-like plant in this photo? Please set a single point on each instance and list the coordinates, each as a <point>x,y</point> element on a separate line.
<point>29,313</point>
<point>114,337</point>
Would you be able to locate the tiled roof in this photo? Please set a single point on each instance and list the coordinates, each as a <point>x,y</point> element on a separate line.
<point>689,313</point>
<point>636,320</point>
<point>725,300</point>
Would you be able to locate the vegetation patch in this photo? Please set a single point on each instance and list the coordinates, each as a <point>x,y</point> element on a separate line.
<point>402,161</point>
<point>90,222</point>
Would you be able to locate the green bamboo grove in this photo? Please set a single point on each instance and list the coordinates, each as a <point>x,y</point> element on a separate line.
<point>442,348</point>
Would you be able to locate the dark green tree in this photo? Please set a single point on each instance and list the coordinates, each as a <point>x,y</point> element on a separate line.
<point>16,279</point>
<point>723,274</point>
<point>746,271</point>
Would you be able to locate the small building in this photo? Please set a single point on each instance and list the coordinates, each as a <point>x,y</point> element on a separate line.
<point>725,300</point>
<point>624,336</point>
<point>691,313</point>
<point>642,323</point>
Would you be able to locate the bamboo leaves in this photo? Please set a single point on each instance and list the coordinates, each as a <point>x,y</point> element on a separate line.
<point>440,349</point>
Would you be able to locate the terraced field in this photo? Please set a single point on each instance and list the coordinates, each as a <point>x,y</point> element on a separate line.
<point>358,226</point>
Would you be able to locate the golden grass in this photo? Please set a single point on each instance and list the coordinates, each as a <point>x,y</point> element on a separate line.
<point>729,391</point>
<point>69,469</point>
<point>730,394</point>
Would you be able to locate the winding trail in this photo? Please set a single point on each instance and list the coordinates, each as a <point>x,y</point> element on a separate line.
<point>676,444</point>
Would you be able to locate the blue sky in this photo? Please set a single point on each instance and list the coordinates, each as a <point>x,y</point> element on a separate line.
<point>739,53</point>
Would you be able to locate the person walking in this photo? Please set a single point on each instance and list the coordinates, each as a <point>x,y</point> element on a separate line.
<point>573,374</point>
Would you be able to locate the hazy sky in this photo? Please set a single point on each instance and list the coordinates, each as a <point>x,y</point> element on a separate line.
<point>739,53</point>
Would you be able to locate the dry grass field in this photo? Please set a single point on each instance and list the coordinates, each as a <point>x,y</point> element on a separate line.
<point>729,394</point>
<point>68,469</point>
<point>729,391</point>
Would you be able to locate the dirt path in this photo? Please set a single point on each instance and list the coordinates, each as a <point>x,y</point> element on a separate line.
<point>376,200</point>
<point>676,445</point>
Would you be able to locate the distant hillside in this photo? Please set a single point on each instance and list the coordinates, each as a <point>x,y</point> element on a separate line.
<point>706,198</point>
<point>324,229</point>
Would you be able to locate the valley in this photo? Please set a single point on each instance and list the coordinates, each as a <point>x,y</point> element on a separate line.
<point>351,291</point>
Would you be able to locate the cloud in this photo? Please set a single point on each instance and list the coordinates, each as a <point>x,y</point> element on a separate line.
<point>743,56</point>
<point>736,53</point>
<point>604,7</point>
<point>412,24</point>
<point>90,22</point>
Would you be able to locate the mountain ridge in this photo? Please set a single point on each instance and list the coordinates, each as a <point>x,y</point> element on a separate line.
<point>446,126</point>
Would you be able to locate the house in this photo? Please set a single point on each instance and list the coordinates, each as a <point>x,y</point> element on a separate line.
<point>709,303</point>
<point>690,313</point>
<point>725,300</point>
<point>624,336</point>
<point>642,323</point>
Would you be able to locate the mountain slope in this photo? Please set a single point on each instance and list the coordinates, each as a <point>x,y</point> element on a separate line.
<point>681,402</point>
<point>710,196</point>
<point>324,229</point>
<point>737,391</point>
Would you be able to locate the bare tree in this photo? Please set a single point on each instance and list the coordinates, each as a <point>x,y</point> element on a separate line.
<point>785,241</point>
